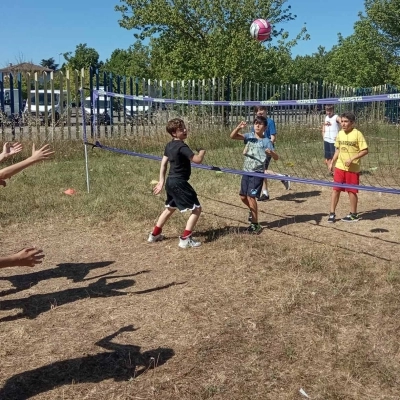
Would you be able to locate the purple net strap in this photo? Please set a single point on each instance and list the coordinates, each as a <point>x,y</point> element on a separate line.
<point>331,100</point>
<point>258,174</point>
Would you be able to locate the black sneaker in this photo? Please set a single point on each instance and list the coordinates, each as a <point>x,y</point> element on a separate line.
<point>352,217</point>
<point>254,229</point>
<point>332,217</point>
<point>263,197</point>
<point>286,183</point>
<point>250,218</point>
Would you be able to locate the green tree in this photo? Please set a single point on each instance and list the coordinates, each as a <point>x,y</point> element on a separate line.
<point>202,39</point>
<point>384,16</point>
<point>360,59</point>
<point>310,68</point>
<point>49,63</point>
<point>84,57</point>
<point>135,62</point>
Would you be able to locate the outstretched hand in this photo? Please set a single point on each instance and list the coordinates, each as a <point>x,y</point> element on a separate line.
<point>42,154</point>
<point>128,328</point>
<point>29,257</point>
<point>9,149</point>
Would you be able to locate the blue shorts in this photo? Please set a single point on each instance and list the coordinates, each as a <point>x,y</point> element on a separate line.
<point>251,186</point>
<point>329,150</point>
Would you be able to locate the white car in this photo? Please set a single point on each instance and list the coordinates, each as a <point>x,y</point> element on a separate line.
<point>42,103</point>
<point>101,110</point>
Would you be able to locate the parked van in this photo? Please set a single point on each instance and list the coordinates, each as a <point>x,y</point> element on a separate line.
<point>135,107</point>
<point>101,110</point>
<point>38,106</point>
<point>142,111</point>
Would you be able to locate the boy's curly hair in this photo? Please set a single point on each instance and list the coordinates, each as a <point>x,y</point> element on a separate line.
<point>174,124</point>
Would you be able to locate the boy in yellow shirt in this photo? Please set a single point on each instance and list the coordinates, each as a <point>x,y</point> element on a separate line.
<point>350,146</point>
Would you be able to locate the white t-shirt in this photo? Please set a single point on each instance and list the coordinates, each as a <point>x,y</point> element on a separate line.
<point>332,128</point>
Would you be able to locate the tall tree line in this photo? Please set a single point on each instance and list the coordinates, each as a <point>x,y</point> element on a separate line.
<point>198,39</point>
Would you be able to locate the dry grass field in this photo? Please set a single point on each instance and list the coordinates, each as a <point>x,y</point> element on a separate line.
<point>305,305</point>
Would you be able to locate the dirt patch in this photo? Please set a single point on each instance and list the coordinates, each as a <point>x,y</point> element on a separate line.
<point>306,304</point>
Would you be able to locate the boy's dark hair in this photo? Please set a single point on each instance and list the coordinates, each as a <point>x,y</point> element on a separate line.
<point>260,108</point>
<point>260,119</point>
<point>349,115</point>
<point>174,124</point>
<point>329,107</point>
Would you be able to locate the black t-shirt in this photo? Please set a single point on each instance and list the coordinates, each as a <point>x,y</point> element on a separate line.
<point>179,155</point>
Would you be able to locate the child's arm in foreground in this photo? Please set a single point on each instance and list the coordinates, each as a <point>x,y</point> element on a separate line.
<point>27,257</point>
<point>272,154</point>
<point>9,149</point>
<point>163,170</point>
<point>334,159</point>
<point>235,134</point>
<point>37,155</point>
<point>198,158</point>
<point>360,154</point>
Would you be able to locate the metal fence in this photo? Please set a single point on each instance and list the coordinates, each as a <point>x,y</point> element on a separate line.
<point>50,104</point>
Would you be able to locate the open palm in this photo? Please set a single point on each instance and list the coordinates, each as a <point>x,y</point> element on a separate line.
<point>9,149</point>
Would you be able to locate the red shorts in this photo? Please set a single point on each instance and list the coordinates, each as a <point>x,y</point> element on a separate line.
<point>351,178</point>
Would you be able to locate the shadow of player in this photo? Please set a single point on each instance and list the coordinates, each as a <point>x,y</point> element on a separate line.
<point>121,363</point>
<point>74,271</point>
<point>34,305</point>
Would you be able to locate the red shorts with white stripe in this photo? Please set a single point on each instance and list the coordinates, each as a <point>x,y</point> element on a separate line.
<point>351,178</point>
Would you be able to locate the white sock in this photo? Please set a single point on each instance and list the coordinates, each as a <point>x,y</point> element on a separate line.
<point>265,192</point>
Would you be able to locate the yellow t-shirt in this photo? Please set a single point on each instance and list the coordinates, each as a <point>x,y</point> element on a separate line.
<point>349,144</point>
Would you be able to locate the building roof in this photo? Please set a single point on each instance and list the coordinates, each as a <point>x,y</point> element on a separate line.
<point>24,67</point>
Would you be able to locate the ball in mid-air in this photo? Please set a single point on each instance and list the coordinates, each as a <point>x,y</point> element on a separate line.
<point>260,29</point>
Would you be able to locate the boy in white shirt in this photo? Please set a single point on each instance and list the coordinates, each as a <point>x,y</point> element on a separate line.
<point>330,129</point>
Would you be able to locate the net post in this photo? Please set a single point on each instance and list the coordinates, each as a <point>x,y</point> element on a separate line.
<point>84,137</point>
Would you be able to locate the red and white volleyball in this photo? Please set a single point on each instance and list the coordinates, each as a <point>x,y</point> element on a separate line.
<point>260,29</point>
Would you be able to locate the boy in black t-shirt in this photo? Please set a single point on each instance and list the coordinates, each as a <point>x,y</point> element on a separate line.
<point>180,194</point>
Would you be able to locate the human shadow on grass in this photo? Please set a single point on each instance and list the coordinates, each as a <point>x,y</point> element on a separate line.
<point>74,271</point>
<point>121,363</point>
<point>212,235</point>
<point>298,197</point>
<point>77,272</point>
<point>293,219</point>
<point>157,288</point>
<point>34,305</point>
<point>379,213</point>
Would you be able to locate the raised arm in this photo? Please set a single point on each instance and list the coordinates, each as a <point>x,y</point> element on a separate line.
<point>43,153</point>
<point>198,158</point>
<point>236,134</point>
<point>9,149</point>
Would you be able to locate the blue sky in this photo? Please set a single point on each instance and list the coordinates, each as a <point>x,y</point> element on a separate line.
<point>32,31</point>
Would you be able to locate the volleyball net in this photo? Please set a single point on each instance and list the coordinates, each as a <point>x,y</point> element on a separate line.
<point>141,121</point>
